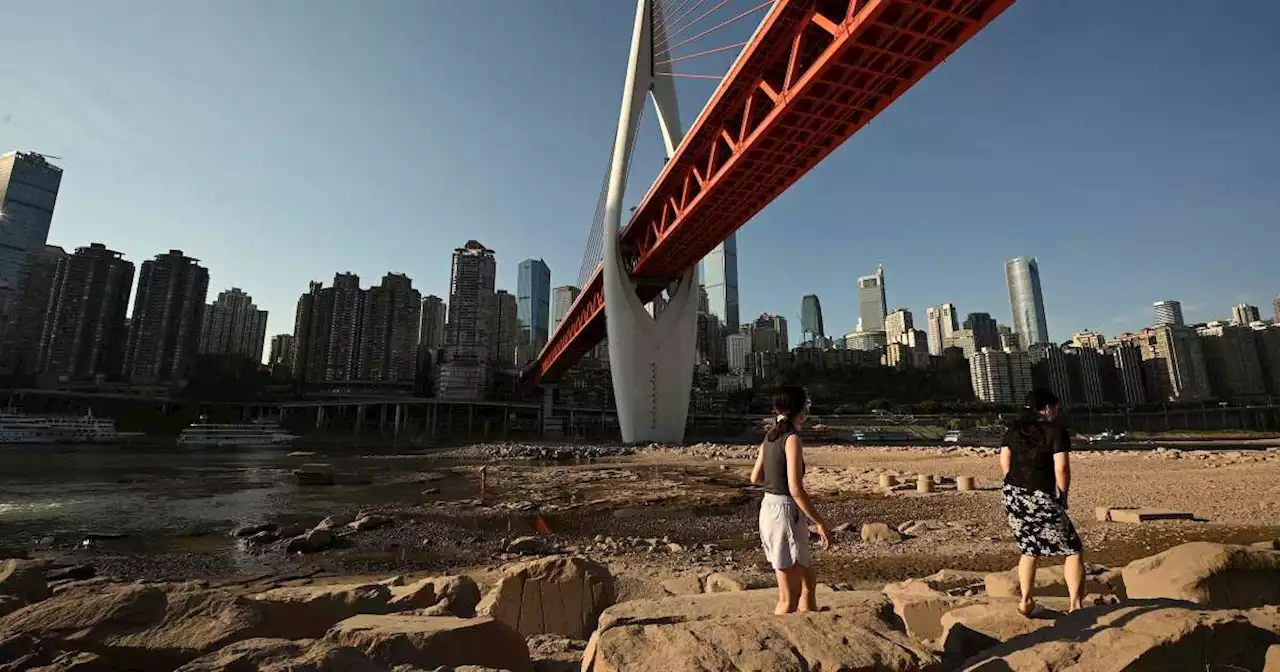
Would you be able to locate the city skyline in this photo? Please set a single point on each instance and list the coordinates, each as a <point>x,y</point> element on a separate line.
<point>1142,189</point>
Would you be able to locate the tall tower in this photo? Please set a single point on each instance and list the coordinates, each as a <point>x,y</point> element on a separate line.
<point>389,336</point>
<point>1168,312</point>
<point>84,334</point>
<point>872,307</point>
<point>28,192</point>
<point>942,323</point>
<point>28,308</point>
<point>811,318</point>
<point>533,302</point>
<point>651,358</point>
<point>168,313</point>
<point>233,325</point>
<point>1026,300</point>
<point>720,279</point>
<point>561,299</point>
<point>469,333</point>
<point>431,333</point>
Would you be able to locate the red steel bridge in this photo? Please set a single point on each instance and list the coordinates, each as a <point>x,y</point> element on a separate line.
<point>814,72</point>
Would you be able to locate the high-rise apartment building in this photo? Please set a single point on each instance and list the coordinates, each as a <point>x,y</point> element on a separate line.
<point>389,333</point>
<point>1090,363</point>
<point>719,275</point>
<point>1168,312</point>
<point>769,334</point>
<point>346,325</point>
<point>964,339</point>
<point>533,297</point>
<point>710,345</point>
<point>28,192</point>
<point>1174,364</point>
<point>1231,360</point>
<point>431,331</point>
<point>83,335</point>
<point>1053,370</point>
<point>1026,300</point>
<point>27,307</point>
<point>1009,339</point>
<point>1267,337</point>
<point>1000,377</point>
<point>1088,339</point>
<point>472,325</point>
<point>507,337</point>
<point>282,351</point>
<point>1276,305</point>
<point>1243,313</point>
<point>738,347</point>
<point>1127,358</point>
<point>811,319</point>
<point>562,299</point>
<point>872,306</point>
<point>233,325</point>
<point>942,323</point>
<point>897,325</point>
<point>311,328</point>
<point>985,333</point>
<point>168,313</point>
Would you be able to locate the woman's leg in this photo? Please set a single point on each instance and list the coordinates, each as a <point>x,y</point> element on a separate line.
<point>789,584</point>
<point>1027,581</point>
<point>1073,571</point>
<point>808,589</point>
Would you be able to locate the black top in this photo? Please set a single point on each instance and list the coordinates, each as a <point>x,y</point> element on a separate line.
<point>1032,451</point>
<point>775,466</point>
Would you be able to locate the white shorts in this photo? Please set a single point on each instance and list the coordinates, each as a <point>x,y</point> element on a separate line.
<point>784,532</point>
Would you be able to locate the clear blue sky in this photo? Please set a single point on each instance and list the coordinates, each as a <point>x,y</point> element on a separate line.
<point>1133,146</point>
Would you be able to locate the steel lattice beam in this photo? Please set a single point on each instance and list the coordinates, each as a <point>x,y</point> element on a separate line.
<point>815,73</point>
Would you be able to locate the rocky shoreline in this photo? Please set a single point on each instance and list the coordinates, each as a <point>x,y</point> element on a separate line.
<point>1194,606</point>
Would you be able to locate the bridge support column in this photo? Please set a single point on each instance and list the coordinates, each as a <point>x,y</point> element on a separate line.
<point>651,359</point>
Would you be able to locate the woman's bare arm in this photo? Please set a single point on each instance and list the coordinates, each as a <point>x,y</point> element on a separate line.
<point>1006,461</point>
<point>1062,471</point>
<point>795,480</point>
<point>757,472</point>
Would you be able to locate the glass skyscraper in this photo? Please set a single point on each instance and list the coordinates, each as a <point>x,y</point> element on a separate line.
<point>811,318</point>
<point>533,302</point>
<point>872,306</point>
<point>28,191</point>
<point>720,278</point>
<point>1026,300</point>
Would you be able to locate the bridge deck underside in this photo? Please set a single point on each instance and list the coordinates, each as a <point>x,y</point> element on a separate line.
<point>816,72</point>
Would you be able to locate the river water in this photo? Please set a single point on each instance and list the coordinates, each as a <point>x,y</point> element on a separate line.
<point>68,492</point>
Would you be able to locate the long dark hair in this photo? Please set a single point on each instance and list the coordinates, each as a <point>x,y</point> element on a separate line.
<point>1029,425</point>
<point>788,402</point>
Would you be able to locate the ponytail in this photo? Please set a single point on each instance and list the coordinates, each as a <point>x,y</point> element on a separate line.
<point>788,402</point>
<point>780,428</point>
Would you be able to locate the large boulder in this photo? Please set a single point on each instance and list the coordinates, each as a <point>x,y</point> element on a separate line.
<point>560,595</point>
<point>920,608</point>
<point>431,641</point>
<point>1216,575</point>
<point>738,631</point>
<point>969,630</point>
<point>283,655</point>
<point>140,627</point>
<point>81,661</point>
<point>444,595</point>
<point>1141,635</point>
<point>952,580</point>
<point>1052,582</point>
<point>300,612</point>
<point>23,579</point>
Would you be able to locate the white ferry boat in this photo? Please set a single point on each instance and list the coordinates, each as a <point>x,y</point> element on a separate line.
<point>18,427</point>
<point>251,434</point>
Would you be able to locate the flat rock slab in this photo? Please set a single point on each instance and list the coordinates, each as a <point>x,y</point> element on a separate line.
<point>839,639</point>
<point>1215,575</point>
<point>432,641</point>
<point>742,604</point>
<point>1146,515</point>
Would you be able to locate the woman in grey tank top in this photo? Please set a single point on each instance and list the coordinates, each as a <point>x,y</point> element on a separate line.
<point>784,531</point>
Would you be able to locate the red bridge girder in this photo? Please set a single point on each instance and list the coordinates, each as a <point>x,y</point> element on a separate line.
<point>815,73</point>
